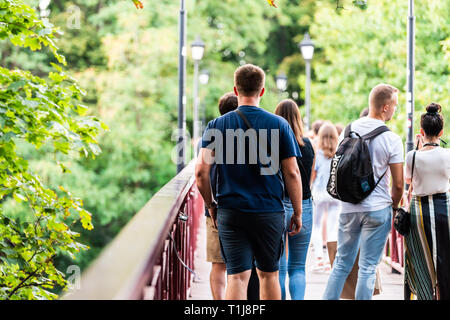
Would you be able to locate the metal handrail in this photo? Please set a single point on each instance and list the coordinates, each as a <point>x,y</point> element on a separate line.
<point>394,255</point>
<point>127,266</point>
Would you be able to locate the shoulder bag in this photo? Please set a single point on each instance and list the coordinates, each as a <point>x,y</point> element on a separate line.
<point>402,218</point>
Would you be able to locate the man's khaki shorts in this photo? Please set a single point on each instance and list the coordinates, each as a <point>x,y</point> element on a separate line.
<point>213,253</point>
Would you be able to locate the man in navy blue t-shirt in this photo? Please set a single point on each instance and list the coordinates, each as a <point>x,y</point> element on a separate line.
<point>255,153</point>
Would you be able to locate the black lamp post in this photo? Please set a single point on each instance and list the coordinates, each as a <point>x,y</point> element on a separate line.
<point>410,102</point>
<point>410,80</point>
<point>181,88</point>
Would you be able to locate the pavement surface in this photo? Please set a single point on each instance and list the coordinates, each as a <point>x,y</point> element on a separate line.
<point>391,283</point>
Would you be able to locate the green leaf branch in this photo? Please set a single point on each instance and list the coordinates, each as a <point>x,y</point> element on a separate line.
<point>40,112</point>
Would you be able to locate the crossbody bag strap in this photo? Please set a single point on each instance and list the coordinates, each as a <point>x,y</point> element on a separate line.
<point>412,174</point>
<point>249,126</point>
<point>239,112</point>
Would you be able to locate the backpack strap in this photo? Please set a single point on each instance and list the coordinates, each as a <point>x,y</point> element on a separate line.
<point>372,135</point>
<point>375,132</point>
<point>347,131</point>
<point>380,179</point>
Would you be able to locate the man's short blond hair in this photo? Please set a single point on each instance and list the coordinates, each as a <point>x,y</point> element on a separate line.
<point>249,80</point>
<point>381,95</point>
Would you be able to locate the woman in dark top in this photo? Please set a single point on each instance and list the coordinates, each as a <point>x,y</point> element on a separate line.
<point>297,247</point>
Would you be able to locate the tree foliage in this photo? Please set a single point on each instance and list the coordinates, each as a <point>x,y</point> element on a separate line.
<point>364,48</point>
<point>127,61</point>
<point>39,112</point>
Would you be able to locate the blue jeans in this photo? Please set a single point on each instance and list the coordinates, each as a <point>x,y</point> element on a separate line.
<point>297,251</point>
<point>367,231</point>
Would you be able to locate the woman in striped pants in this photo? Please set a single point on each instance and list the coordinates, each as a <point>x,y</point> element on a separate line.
<point>427,256</point>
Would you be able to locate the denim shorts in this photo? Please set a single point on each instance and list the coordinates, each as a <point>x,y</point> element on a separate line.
<point>247,236</point>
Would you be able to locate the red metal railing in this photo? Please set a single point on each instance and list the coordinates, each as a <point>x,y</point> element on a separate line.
<point>153,255</point>
<point>394,251</point>
<point>173,270</point>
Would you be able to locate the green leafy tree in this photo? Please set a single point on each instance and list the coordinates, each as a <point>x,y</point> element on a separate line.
<point>127,61</point>
<point>360,49</point>
<point>44,113</point>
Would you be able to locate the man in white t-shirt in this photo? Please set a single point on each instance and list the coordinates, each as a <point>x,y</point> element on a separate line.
<point>366,225</point>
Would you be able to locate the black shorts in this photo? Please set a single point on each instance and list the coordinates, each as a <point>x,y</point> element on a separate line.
<point>244,236</point>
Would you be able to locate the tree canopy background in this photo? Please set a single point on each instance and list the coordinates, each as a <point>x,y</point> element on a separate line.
<point>127,60</point>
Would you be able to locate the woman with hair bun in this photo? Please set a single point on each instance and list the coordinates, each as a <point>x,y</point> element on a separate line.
<point>427,255</point>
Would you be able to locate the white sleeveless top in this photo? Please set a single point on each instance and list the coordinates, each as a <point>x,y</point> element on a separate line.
<point>431,171</point>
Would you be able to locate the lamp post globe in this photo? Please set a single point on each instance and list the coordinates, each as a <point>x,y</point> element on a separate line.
<point>306,47</point>
<point>281,81</point>
<point>198,48</point>
<point>204,77</point>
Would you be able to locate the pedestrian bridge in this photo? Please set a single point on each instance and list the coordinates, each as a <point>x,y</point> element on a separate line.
<point>161,254</point>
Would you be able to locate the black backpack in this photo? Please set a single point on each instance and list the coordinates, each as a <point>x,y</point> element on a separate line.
<point>351,172</point>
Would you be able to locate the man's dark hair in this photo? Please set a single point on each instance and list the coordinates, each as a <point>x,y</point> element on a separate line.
<point>249,80</point>
<point>364,112</point>
<point>228,102</point>
<point>431,121</point>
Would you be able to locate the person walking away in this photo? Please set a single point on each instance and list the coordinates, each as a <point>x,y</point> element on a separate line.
<point>339,128</point>
<point>427,244</point>
<point>298,244</point>
<point>348,292</point>
<point>314,132</point>
<point>217,277</point>
<point>250,187</point>
<point>364,112</point>
<point>366,225</point>
<point>324,203</point>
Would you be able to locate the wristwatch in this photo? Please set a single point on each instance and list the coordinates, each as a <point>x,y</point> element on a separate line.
<point>213,205</point>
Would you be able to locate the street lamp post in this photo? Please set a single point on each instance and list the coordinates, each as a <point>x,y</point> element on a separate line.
<point>410,102</point>
<point>198,48</point>
<point>181,145</point>
<point>307,49</point>
<point>410,79</point>
<point>281,81</point>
